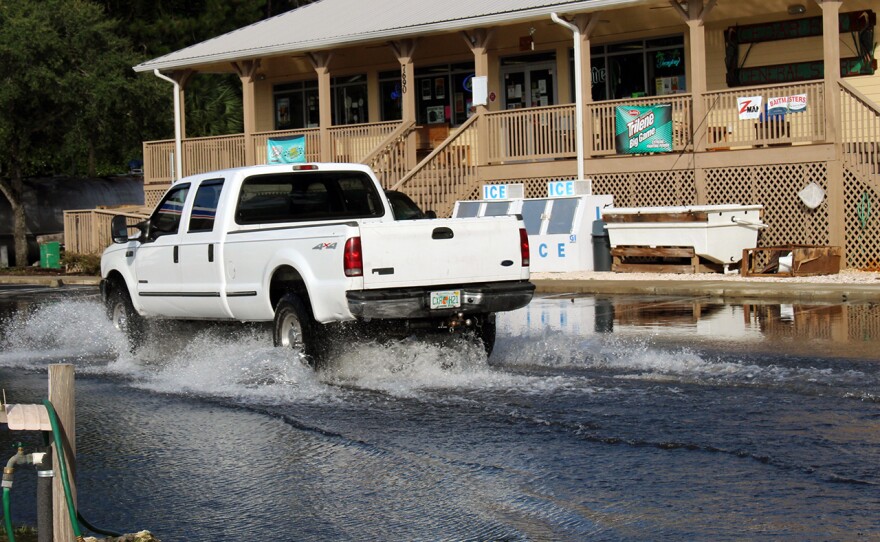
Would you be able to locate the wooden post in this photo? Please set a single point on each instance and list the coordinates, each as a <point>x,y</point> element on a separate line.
<point>321,63</point>
<point>247,72</point>
<point>63,397</point>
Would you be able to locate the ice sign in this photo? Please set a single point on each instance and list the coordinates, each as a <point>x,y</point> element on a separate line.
<point>503,191</point>
<point>569,188</point>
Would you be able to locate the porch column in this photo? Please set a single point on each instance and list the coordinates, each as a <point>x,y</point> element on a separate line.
<point>695,17</point>
<point>181,77</point>
<point>478,41</point>
<point>831,57</point>
<point>321,62</point>
<point>404,50</point>
<point>247,71</point>
<point>585,24</point>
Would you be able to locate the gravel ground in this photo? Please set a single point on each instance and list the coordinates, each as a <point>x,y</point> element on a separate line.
<point>847,276</point>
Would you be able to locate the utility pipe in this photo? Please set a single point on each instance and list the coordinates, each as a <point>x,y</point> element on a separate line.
<point>44,500</point>
<point>578,94</point>
<point>178,156</point>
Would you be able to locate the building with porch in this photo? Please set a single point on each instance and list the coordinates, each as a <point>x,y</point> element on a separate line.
<point>391,85</point>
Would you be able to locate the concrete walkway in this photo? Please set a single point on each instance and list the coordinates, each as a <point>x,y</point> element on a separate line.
<point>658,284</point>
<point>794,291</point>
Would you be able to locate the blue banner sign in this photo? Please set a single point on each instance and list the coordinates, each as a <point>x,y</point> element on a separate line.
<point>286,150</point>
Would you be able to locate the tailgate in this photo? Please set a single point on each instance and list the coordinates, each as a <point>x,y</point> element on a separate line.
<point>441,251</point>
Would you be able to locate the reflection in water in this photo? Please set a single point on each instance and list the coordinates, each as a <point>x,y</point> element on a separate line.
<point>841,330</point>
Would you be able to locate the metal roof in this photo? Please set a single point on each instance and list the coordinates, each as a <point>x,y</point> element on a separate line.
<point>331,23</point>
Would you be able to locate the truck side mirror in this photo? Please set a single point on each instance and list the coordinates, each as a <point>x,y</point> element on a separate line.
<point>430,214</point>
<point>119,229</point>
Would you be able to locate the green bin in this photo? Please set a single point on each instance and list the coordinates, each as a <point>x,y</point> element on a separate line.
<point>50,255</point>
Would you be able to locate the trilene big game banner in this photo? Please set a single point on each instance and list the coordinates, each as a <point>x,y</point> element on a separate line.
<point>643,129</point>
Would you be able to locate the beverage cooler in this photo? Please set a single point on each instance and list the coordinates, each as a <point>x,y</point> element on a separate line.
<point>559,226</point>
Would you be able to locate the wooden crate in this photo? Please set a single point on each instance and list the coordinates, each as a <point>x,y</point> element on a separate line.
<point>806,260</point>
<point>654,260</point>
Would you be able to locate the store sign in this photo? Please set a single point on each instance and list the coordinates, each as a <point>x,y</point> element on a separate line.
<point>783,105</point>
<point>854,21</point>
<point>503,191</point>
<point>800,71</point>
<point>749,107</point>
<point>286,150</point>
<point>643,130</point>
<point>569,188</point>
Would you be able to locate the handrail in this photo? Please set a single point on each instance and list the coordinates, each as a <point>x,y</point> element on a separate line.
<point>390,160</point>
<point>860,134</point>
<point>440,148</point>
<point>867,102</point>
<point>403,129</point>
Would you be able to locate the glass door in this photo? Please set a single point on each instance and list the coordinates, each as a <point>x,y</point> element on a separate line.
<point>529,85</point>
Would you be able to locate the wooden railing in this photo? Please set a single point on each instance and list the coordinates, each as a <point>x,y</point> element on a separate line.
<point>725,129</point>
<point>88,231</point>
<point>260,142</point>
<point>390,160</point>
<point>202,154</point>
<point>531,134</point>
<point>352,143</point>
<point>860,134</point>
<point>447,174</point>
<point>157,161</point>
<point>604,118</point>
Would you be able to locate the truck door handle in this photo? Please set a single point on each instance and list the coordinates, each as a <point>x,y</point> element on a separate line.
<point>211,253</point>
<point>175,253</point>
<point>442,233</point>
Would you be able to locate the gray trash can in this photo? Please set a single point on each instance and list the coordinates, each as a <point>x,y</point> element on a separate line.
<point>601,247</point>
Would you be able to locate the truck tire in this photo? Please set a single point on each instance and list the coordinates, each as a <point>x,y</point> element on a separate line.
<point>124,317</point>
<point>295,328</point>
<point>486,331</point>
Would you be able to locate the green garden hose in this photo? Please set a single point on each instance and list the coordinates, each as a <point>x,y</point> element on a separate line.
<point>62,463</point>
<point>7,518</point>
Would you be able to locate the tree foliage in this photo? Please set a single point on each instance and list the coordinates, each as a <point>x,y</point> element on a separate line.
<point>70,102</point>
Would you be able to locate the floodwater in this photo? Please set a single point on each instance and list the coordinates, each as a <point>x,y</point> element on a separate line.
<point>613,418</point>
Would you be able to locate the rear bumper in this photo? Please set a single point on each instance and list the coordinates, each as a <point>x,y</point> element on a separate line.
<point>400,303</point>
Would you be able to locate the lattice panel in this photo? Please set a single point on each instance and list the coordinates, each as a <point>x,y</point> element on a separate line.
<point>775,187</point>
<point>648,188</point>
<point>862,218</point>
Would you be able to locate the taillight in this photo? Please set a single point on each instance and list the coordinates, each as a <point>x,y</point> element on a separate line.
<point>353,258</point>
<point>524,246</point>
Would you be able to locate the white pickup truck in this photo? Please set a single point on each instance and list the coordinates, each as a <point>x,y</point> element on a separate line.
<point>305,245</point>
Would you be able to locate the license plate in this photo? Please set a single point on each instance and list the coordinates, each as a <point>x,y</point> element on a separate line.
<point>447,299</point>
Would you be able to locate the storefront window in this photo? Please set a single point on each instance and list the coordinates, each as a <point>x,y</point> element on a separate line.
<point>638,68</point>
<point>296,105</point>
<point>443,93</point>
<point>392,95</point>
<point>349,99</point>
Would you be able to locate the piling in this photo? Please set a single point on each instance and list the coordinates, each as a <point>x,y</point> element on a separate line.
<point>63,397</point>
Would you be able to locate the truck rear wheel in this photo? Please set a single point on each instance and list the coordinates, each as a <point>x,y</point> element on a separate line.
<point>124,317</point>
<point>294,328</point>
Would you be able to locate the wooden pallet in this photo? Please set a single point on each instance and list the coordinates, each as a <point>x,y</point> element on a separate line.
<point>654,260</point>
<point>807,260</point>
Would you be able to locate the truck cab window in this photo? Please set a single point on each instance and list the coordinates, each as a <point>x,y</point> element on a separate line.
<point>318,195</point>
<point>166,218</point>
<point>205,206</point>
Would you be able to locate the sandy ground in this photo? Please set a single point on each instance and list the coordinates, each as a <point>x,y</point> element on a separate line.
<point>847,276</point>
